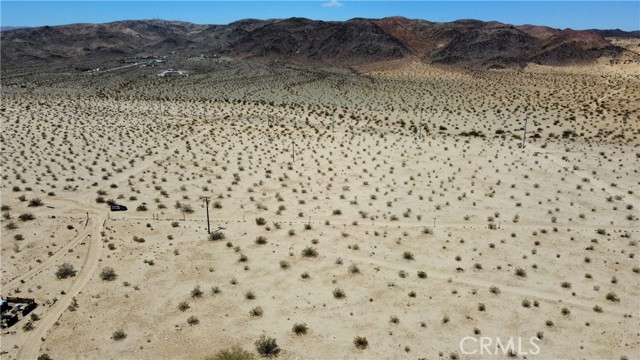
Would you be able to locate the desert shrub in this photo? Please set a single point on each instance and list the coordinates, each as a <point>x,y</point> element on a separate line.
<point>28,326</point>
<point>261,240</point>
<point>407,255</point>
<point>65,270</point>
<point>339,293</point>
<point>300,328</point>
<point>267,346</point>
<point>360,342</point>
<point>249,295</point>
<point>11,226</point>
<point>183,306</point>
<point>26,217</point>
<point>142,207</point>
<point>196,292</point>
<point>35,202</point>
<point>521,272</point>
<point>216,235</point>
<point>284,265</point>
<point>422,274</point>
<point>108,274</point>
<point>232,353</point>
<point>494,290</point>
<point>309,252</point>
<point>261,221</point>
<point>118,335</point>
<point>193,320</point>
<point>138,239</point>
<point>256,311</point>
<point>612,297</point>
<point>187,209</point>
<point>175,224</point>
<point>354,269</point>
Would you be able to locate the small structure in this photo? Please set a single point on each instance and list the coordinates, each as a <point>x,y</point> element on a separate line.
<point>170,72</point>
<point>11,313</point>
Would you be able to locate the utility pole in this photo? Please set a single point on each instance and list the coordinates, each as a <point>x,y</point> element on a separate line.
<point>524,135</point>
<point>206,201</point>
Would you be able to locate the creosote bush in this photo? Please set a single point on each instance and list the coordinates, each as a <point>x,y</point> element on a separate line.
<point>256,311</point>
<point>360,342</point>
<point>309,252</point>
<point>267,346</point>
<point>65,270</point>
<point>118,335</point>
<point>193,320</point>
<point>26,217</point>
<point>338,293</point>
<point>108,274</point>
<point>232,353</point>
<point>183,306</point>
<point>196,292</point>
<point>216,235</point>
<point>300,328</point>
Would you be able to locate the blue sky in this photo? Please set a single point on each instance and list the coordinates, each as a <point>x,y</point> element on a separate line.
<point>561,14</point>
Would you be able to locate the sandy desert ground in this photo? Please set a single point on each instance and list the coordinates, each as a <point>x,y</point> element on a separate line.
<point>338,205</point>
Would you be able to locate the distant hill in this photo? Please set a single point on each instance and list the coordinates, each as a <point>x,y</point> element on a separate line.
<point>6,28</point>
<point>356,41</point>
<point>618,33</point>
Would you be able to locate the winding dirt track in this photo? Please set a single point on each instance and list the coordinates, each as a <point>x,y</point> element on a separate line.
<point>32,342</point>
<point>31,347</point>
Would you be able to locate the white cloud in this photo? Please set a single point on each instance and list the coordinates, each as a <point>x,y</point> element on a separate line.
<point>332,3</point>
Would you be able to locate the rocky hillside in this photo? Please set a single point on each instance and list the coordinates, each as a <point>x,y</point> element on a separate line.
<point>356,41</point>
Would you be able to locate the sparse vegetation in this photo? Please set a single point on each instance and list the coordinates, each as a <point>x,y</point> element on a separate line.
<point>65,270</point>
<point>267,346</point>
<point>108,274</point>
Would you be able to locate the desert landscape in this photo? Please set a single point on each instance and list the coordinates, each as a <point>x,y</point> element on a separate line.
<point>377,210</point>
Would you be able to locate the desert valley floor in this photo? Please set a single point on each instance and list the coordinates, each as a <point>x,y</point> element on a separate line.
<point>392,202</point>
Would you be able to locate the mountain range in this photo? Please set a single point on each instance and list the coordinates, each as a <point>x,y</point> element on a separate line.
<point>345,43</point>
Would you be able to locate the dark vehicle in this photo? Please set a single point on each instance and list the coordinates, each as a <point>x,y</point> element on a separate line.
<point>116,207</point>
<point>27,309</point>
